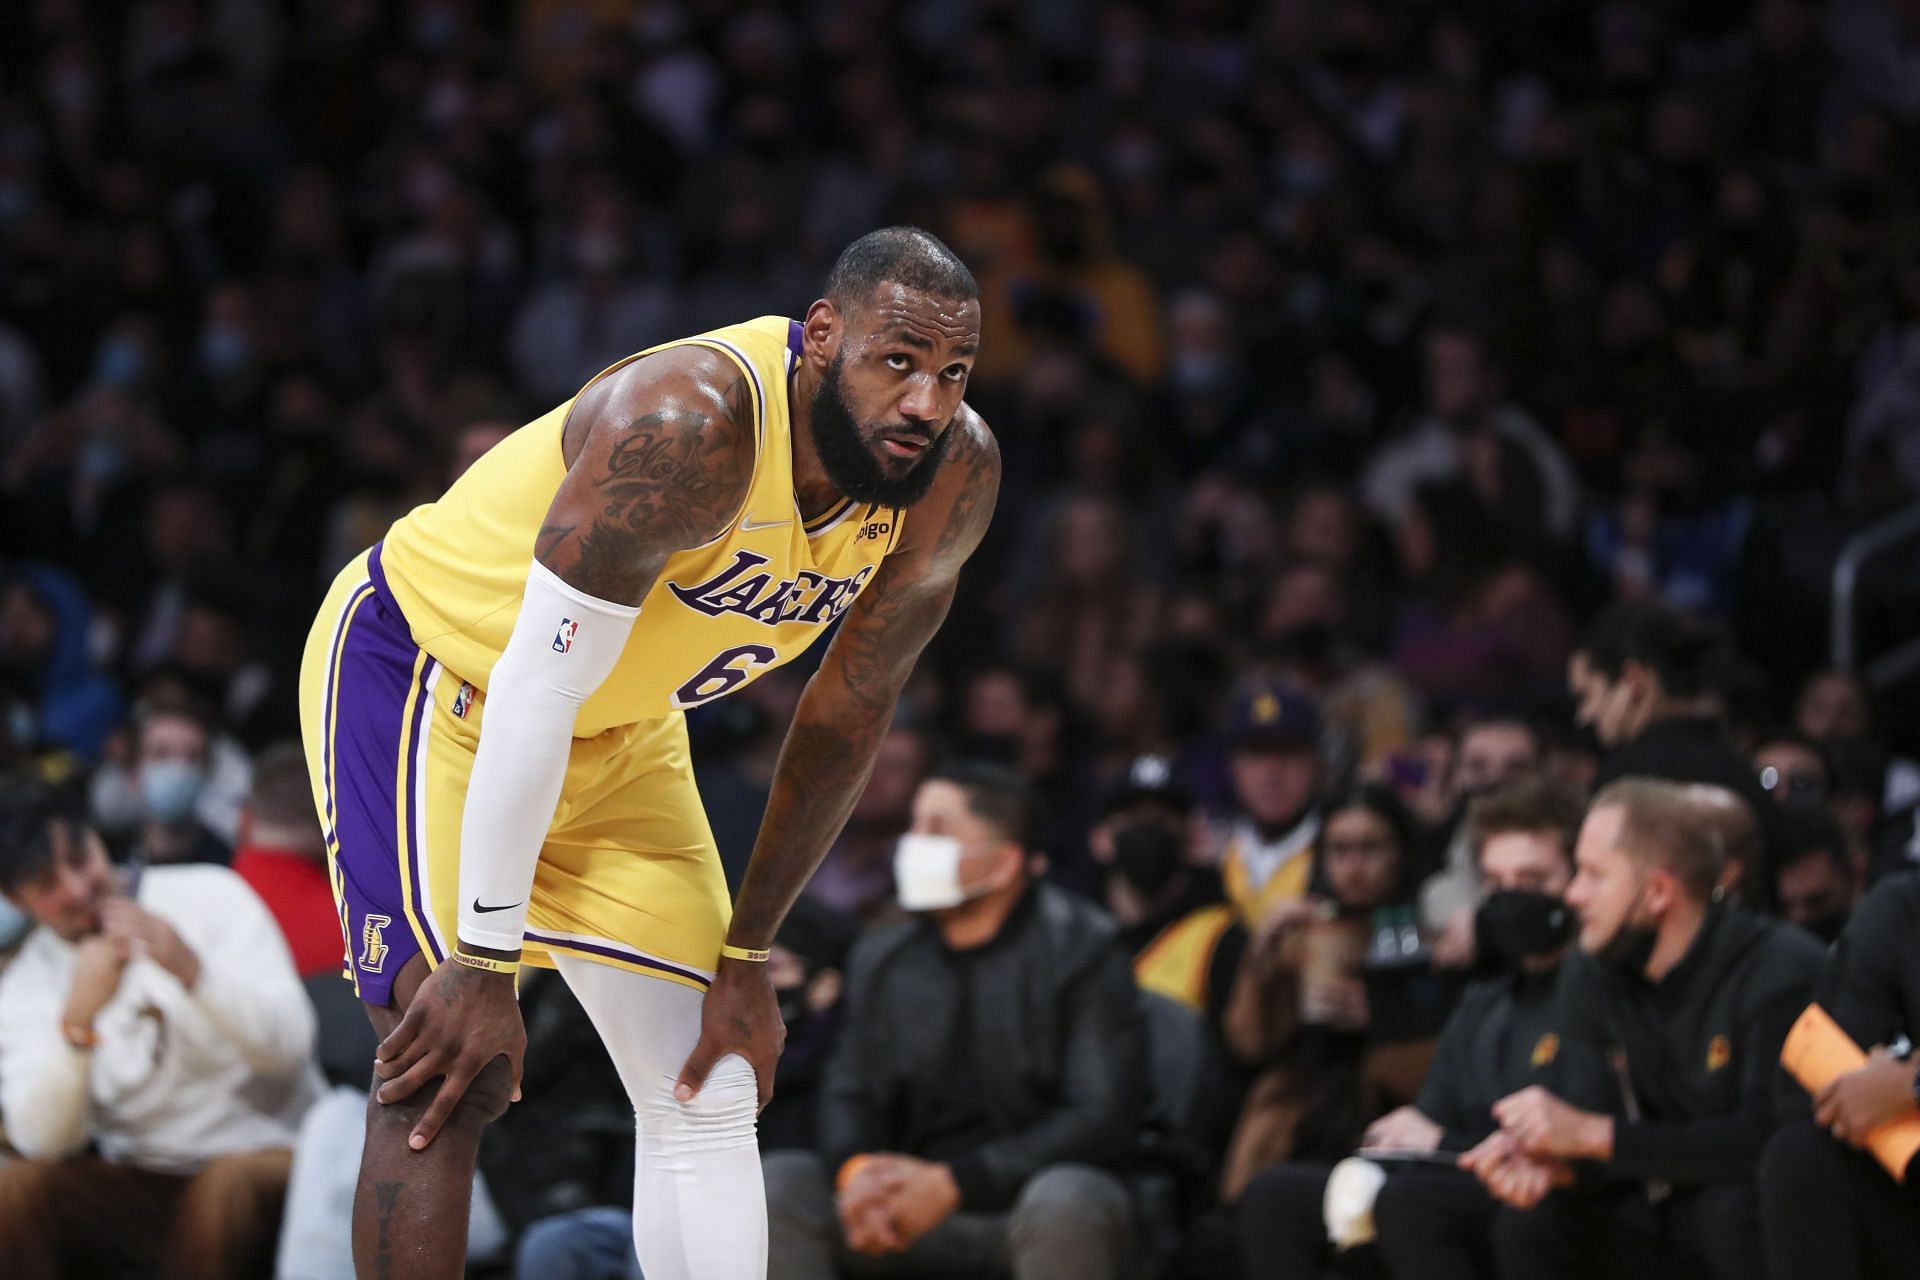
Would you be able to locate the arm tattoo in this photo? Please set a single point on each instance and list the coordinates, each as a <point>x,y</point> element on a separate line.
<point>666,481</point>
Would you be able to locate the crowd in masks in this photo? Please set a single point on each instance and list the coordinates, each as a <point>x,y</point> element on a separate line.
<point>1386,742</point>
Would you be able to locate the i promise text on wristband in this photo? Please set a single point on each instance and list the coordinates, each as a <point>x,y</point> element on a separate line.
<point>487,963</point>
<point>754,955</point>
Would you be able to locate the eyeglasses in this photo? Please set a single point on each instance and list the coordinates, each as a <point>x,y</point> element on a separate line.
<point>1796,785</point>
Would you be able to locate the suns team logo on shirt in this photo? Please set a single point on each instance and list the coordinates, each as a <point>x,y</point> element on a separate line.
<point>1719,1053</point>
<point>1546,1049</point>
<point>563,638</point>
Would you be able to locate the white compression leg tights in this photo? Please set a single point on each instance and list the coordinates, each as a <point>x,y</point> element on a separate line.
<point>699,1204</point>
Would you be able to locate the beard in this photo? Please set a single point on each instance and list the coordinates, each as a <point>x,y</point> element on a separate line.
<point>849,459</point>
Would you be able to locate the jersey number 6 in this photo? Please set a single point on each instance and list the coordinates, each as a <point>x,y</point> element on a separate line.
<point>721,676</point>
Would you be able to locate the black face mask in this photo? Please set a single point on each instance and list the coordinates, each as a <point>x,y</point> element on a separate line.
<point>1513,924</point>
<point>1147,856</point>
<point>1827,928</point>
<point>1631,946</point>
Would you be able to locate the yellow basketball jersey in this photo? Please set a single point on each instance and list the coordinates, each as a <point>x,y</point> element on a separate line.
<point>718,617</point>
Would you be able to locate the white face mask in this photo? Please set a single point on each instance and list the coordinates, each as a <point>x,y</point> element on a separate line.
<point>926,872</point>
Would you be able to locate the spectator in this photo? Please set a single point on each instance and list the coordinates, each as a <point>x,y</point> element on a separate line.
<point>1793,769</point>
<point>1829,1211</point>
<point>1184,939</point>
<point>1641,682</point>
<point>596,314</point>
<point>159,1023</point>
<point>989,1076</point>
<point>1676,1010</point>
<point>46,661</point>
<point>1489,754</point>
<point>1431,1222</point>
<point>1816,879</point>
<point>1832,708</point>
<point>1336,1004</point>
<point>283,858</point>
<point>1479,627</point>
<point>1466,412</point>
<point>1273,733</point>
<point>1309,630</point>
<point>172,749</point>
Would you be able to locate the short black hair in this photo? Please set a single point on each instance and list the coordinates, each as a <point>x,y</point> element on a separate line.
<point>1683,651</point>
<point>31,811</point>
<point>999,797</point>
<point>899,255</point>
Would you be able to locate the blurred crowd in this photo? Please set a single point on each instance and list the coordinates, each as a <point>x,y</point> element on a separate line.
<point>1397,401</point>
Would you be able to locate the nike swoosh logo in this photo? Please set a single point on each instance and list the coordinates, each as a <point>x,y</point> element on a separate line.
<point>477,907</point>
<point>748,526</point>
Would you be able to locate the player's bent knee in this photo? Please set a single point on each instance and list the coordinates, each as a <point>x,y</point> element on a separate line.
<point>484,1101</point>
<point>724,1114</point>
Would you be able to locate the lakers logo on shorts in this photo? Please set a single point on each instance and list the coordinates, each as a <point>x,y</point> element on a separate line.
<point>1546,1049</point>
<point>373,943</point>
<point>1719,1053</point>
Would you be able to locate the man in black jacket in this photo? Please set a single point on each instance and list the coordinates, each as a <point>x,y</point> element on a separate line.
<point>1433,1222</point>
<point>991,1073</point>
<point>1644,682</point>
<point>1831,1211</point>
<point>1675,1014</point>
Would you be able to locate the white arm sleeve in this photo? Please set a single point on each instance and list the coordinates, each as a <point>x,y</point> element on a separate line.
<point>564,644</point>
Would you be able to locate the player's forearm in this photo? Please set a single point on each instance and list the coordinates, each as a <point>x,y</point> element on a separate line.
<point>823,768</point>
<point>564,644</point>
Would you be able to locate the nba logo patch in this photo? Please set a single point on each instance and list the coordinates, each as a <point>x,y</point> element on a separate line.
<point>462,700</point>
<point>563,638</point>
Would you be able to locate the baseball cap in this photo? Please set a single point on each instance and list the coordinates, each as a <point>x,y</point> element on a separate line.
<point>1272,713</point>
<point>1149,777</point>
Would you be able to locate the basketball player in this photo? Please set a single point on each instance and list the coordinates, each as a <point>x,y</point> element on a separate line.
<point>493,705</point>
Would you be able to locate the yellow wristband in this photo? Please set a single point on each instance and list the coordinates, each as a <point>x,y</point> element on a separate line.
<point>488,963</point>
<point>753,954</point>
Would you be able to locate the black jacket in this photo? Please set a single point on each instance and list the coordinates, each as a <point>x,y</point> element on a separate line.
<point>1504,1036</point>
<point>1872,982</point>
<point>1700,1049</point>
<point>1020,1054</point>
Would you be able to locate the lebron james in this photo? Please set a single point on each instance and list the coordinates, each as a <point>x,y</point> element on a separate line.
<point>493,699</point>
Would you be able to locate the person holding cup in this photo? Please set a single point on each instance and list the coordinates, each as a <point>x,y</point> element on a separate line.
<point>1337,1004</point>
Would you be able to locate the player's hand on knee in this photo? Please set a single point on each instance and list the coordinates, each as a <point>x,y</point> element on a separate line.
<point>740,1015</point>
<point>458,1022</point>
